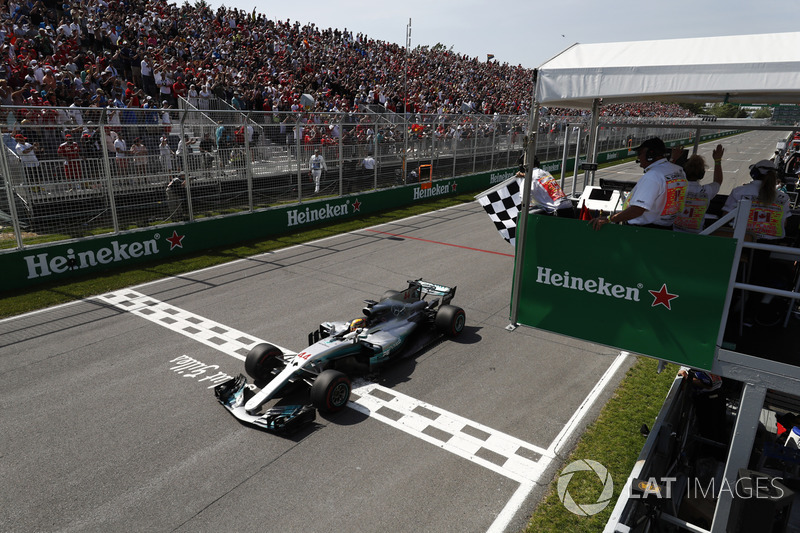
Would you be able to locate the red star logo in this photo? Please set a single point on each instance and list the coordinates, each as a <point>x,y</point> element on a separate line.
<point>176,241</point>
<point>454,186</point>
<point>356,205</point>
<point>662,297</point>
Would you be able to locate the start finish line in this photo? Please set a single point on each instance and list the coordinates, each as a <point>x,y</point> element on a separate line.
<point>654,292</point>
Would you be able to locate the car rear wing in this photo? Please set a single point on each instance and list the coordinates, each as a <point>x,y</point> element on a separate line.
<point>434,289</point>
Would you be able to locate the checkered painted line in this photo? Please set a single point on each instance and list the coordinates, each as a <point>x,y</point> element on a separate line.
<point>218,336</point>
<point>482,445</point>
<point>485,446</point>
<point>499,452</point>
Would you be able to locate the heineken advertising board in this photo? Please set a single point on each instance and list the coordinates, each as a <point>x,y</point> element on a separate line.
<point>53,262</point>
<point>648,291</point>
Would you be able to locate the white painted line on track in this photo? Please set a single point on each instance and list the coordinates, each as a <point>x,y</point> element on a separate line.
<point>511,509</point>
<point>588,402</point>
<point>496,451</point>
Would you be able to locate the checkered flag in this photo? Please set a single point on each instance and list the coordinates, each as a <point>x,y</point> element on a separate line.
<point>502,203</point>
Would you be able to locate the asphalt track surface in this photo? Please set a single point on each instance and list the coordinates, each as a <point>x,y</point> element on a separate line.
<point>109,420</point>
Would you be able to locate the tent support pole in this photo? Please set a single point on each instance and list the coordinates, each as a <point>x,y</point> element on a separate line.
<point>564,157</point>
<point>696,145</point>
<point>594,137</point>
<point>522,218</point>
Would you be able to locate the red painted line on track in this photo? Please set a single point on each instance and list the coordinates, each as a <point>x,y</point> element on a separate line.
<point>438,242</point>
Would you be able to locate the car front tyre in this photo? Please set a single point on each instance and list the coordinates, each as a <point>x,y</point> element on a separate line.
<point>331,391</point>
<point>261,359</point>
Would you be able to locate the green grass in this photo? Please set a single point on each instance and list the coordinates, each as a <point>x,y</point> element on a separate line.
<point>614,441</point>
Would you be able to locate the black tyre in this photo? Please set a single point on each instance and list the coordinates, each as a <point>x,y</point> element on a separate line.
<point>331,391</point>
<point>261,359</point>
<point>450,320</point>
<point>389,294</point>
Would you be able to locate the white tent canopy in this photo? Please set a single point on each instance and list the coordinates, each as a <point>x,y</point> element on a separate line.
<point>758,69</point>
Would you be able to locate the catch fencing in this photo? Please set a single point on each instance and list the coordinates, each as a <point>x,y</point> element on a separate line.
<point>96,171</point>
<point>99,171</point>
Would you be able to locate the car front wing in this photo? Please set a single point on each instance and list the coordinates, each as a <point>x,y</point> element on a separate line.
<point>233,395</point>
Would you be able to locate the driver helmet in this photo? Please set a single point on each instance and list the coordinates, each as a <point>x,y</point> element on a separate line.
<point>358,323</point>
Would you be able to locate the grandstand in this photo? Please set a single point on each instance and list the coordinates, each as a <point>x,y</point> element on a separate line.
<point>150,92</point>
<point>139,49</point>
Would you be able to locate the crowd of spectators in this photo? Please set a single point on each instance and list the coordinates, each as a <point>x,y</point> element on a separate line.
<point>97,52</point>
<point>55,53</point>
<point>147,53</point>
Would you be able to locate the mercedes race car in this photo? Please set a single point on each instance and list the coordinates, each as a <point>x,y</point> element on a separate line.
<point>400,324</point>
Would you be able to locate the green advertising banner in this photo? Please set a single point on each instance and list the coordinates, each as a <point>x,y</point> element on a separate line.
<point>52,262</point>
<point>648,291</point>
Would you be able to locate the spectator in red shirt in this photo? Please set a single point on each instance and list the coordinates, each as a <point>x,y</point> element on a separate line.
<point>70,152</point>
<point>179,88</point>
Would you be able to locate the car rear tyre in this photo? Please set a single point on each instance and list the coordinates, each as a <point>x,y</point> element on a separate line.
<point>450,320</point>
<point>261,359</point>
<point>331,391</point>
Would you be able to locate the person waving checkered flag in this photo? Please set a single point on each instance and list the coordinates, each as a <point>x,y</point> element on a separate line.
<point>502,203</point>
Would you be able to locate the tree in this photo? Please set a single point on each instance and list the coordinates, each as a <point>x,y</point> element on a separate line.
<point>727,111</point>
<point>763,112</point>
<point>697,109</point>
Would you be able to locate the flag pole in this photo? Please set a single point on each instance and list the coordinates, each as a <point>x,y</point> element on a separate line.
<point>405,102</point>
<point>522,218</point>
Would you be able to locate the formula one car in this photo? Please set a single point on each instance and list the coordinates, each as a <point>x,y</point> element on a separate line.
<point>400,324</point>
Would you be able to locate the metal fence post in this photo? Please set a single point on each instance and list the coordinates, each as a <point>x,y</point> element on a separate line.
<point>404,166</point>
<point>375,156</point>
<point>494,146</point>
<point>432,141</point>
<point>248,162</point>
<point>341,155</point>
<point>297,157</point>
<point>185,164</point>
<point>455,152</point>
<point>12,205</point>
<point>107,168</point>
<point>474,149</point>
<point>509,134</point>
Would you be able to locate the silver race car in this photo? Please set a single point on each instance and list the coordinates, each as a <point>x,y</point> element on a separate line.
<point>400,324</point>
